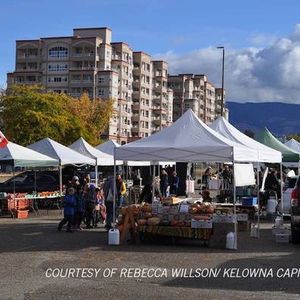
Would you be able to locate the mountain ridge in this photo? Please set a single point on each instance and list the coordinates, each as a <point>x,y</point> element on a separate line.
<point>279,118</point>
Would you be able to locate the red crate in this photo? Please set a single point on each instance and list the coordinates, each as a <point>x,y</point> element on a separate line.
<point>21,214</point>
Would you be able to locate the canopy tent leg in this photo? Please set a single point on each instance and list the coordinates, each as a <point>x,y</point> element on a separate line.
<point>234,209</point>
<point>96,175</point>
<point>281,188</point>
<point>258,201</point>
<point>153,182</point>
<point>115,188</point>
<point>13,215</point>
<point>60,181</point>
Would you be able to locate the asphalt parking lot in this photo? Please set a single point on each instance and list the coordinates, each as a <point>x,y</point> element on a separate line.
<point>31,249</point>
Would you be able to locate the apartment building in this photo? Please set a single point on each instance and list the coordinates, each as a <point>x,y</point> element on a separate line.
<point>218,103</point>
<point>88,61</point>
<point>195,92</point>
<point>161,96</point>
<point>142,95</point>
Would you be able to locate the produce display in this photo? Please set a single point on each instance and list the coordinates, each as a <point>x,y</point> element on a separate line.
<point>176,217</point>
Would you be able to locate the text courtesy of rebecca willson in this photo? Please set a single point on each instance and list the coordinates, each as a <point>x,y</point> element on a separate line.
<point>234,273</point>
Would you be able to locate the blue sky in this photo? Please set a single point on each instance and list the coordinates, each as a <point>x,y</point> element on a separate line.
<point>184,33</point>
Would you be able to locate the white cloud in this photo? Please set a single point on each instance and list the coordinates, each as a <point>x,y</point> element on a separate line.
<point>270,73</point>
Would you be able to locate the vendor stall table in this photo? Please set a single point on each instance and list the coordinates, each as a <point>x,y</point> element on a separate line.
<point>201,234</point>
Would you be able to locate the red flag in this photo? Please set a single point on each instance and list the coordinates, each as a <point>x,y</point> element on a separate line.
<point>3,140</point>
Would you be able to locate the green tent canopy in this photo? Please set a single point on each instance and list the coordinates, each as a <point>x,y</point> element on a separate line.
<point>267,138</point>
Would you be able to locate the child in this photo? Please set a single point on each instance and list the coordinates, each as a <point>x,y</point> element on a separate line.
<point>69,210</point>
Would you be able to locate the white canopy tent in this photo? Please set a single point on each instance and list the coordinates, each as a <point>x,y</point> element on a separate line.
<point>293,144</point>
<point>109,147</point>
<point>20,156</point>
<point>187,140</point>
<point>101,158</point>
<point>23,157</point>
<point>63,154</point>
<point>265,153</point>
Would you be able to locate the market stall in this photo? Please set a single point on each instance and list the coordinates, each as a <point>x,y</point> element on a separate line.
<point>101,158</point>
<point>288,155</point>
<point>188,140</point>
<point>62,154</point>
<point>265,154</point>
<point>19,156</point>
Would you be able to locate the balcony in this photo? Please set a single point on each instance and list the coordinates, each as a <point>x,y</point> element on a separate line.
<point>82,55</point>
<point>156,120</point>
<point>83,68</point>
<point>135,117</point>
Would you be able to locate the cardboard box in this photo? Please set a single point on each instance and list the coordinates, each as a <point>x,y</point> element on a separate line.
<point>201,223</point>
<point>243,226</point>
<point>249,201</point>
<point>282,238</point>
<point>224,218</point>
<point>280,230</point>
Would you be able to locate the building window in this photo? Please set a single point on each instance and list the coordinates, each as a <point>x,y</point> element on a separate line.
<point>58,52</point>
<point>101,79</point>
<point>57,67</point>
<point>101,93</point>
<point>57,79</point>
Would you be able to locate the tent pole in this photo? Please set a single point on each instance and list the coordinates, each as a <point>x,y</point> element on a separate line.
<point>96,174</point>
<point>35,182</point>
<point>281,188</point>
<point>60,181</point>
<point>258,200</point>
<point>234,207</point>
<point>14,181</point>
<point>153,182</point>
<point>115,187</point>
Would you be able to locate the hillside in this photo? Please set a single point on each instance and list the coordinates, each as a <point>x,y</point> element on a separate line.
<point>279,118</point>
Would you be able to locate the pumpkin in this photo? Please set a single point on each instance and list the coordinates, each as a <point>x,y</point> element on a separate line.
<point>153,221</point>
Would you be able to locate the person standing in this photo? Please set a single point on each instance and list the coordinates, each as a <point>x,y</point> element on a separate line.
<point>79,209</point>
<point>108,190</point>
<point>174,183</point>
<point>121,190</point>
<point>69,209</point>
<point>90,202</point>
<point>164,182</point>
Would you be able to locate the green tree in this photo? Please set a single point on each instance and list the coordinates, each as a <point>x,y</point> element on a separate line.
<point>31,113</point>
<point>94,114</point>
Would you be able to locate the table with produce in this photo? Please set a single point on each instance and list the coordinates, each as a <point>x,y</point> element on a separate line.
<point>174,217</point>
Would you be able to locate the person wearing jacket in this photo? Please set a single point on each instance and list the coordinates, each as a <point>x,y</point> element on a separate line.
<point>164,183</point>
<point>90,202</point>
<point>108,190</point>
<point>174,183</point>
<point>121,190</point>
<point>79,208</point>
<point>69,210</point>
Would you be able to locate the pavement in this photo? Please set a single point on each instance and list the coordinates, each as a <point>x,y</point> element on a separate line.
<point>33,253</point>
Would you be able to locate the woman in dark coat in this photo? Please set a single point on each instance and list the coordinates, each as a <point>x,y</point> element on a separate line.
<point>164,183</point>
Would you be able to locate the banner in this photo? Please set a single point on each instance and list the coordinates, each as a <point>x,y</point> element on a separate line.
<point>3,140</point>
<point>244,174</point>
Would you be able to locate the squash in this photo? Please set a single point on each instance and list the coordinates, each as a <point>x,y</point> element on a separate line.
<point>153,221</point>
